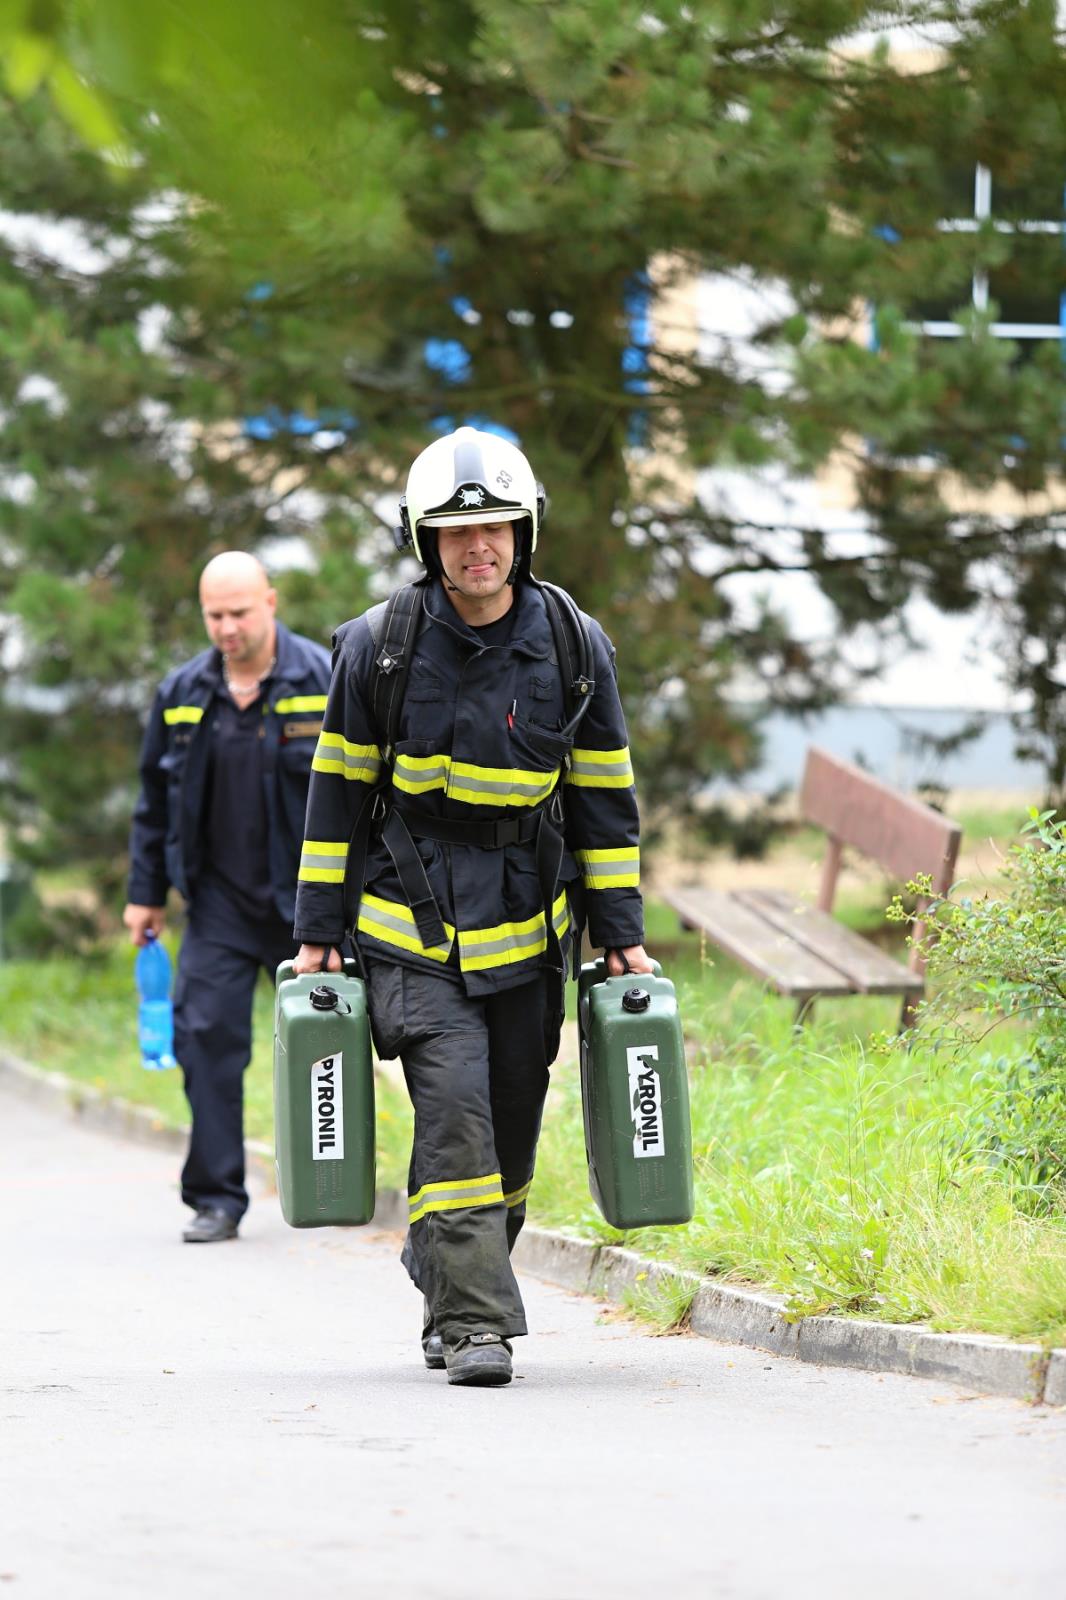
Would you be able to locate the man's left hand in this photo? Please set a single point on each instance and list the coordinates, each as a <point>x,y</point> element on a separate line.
<point>638,958</point>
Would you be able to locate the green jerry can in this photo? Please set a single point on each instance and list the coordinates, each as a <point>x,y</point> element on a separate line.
<point>634,1094</point>
<point>323,1098</point>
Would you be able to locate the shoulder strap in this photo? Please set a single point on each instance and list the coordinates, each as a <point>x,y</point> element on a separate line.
<point>573,646</point>
<point>393,625</point>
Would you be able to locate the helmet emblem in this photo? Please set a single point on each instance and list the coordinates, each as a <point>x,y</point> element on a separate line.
<point>471,497</point>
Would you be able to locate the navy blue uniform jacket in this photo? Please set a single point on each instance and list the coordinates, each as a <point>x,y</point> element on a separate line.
<point>166,841</point>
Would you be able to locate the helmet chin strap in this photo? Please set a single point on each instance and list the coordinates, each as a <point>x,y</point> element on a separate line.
<point>517,562</point>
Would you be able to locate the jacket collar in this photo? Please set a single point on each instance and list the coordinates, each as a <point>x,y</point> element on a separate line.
<point>531,634</point>
<point>290,666</point>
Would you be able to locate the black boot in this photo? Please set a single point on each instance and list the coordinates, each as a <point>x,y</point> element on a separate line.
<point>480,1359</point>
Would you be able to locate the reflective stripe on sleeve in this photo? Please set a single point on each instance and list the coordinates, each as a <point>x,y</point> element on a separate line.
<point>392,923</point>
<point>300,702</point>
<point>456,1195</point>
<point>174,714</point>
<point>323,861</point>
<point>600,769</point>
<point>508,942</point>
<point>338,755</point>
<point>516,1196</point>
<point>610,869</point>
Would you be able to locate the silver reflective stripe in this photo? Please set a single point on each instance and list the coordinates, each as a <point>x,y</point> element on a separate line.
<point>509,941</point>
<point>512,786</point>
<point>313,858</point>
<point>612,869</point>
<point>389,919</point>
<point>602,769</point>
<point>360,764</point>
<point>463,1192</point>
<point>422,773</point>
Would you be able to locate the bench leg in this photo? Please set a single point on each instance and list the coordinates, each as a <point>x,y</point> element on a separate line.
<point>804,1011</point>
<point>908,1012</point>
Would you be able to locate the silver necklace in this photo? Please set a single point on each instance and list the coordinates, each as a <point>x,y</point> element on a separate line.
<point>246,688</point>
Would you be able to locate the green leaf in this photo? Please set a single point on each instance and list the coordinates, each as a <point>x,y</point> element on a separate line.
<point>87,112</point>
<point>27,60</point>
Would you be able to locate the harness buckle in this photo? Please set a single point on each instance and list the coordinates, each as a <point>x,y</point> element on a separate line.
<point>389,661</point>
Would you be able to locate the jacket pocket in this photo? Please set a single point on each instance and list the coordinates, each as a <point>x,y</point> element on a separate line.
<point>548,745</point>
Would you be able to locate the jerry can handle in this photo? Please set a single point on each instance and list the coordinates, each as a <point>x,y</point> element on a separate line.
<point>622,958</point>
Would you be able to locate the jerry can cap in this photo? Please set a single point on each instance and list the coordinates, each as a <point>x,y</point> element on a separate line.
<point>323,998</point>
<point>636,1000</point>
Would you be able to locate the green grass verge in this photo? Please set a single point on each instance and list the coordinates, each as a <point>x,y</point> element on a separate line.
<point>80,1017</point>
<point>848,1177</point>
<point>849,1181</point>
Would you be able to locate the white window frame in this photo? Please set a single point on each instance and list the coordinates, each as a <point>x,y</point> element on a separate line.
<point>982,216</point>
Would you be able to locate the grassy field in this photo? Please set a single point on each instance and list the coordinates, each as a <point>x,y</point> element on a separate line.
<point>833,1165</point>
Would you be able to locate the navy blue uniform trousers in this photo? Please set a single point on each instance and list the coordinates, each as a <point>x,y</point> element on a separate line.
<point>219,963</point>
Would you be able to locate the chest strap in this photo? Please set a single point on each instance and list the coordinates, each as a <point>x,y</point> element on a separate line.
<point>542,825</point>
<point>489,834</point>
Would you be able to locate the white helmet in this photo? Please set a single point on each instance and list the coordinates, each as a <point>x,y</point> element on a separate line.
<point>469,476</point>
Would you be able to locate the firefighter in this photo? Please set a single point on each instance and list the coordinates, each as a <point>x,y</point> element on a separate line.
<point>224,772</point>
<point>476,836</point>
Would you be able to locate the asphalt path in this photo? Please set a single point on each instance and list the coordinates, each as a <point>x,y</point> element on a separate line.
<point>253,1419</point>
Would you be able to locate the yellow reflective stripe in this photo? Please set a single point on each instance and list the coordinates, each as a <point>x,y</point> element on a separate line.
<point>323,861</point>
<point>611,869</point>
<point>174,714</point>
<point>334,753</point>
<point>499,786</point>
<point>600,769</point>
<point>455,1195</point>
<point>473,785</point>
<point>392,923</point>
<point>300,702</point>
<point>508,942</point>
<point>516,1196</point>
<point>419,774</point>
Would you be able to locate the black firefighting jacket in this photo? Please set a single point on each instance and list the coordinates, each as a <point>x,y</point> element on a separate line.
<point>478,738</point>
<point>167,837</point>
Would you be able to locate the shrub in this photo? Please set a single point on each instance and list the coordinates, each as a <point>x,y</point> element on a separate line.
<point>998,957</point>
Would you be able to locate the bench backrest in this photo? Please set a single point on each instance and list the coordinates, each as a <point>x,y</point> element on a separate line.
<point>900,834</point>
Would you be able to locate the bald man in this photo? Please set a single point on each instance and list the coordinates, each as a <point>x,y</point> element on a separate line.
<point>224,773</point>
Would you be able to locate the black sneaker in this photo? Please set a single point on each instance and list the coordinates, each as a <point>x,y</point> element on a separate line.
<point>210,1226</point>
<point>433,1350</point>
<point>481,1359</point>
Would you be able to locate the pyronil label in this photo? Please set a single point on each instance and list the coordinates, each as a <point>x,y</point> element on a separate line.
<point>645,1101</point>
<point>327,1109</point>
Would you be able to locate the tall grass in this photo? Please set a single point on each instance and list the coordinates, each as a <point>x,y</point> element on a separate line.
<point>847,1179</point>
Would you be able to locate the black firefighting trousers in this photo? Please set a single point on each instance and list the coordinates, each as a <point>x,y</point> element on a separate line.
<point>477,1074</point>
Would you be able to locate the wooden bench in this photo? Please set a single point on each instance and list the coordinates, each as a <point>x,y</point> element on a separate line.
<point>801,949</point>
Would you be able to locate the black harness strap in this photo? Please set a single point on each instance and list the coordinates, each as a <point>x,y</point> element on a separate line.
<point>412,874</point>
<point>489,835</point>
<point>393,626</point>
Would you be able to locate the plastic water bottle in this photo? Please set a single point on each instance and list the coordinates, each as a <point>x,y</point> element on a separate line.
<point>155,1016</point>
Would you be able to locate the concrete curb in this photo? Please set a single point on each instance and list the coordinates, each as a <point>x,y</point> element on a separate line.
<point>726,1312</point>
<point>733,1314</point>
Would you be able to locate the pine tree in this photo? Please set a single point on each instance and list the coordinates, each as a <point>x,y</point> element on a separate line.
<point>407,216</point>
